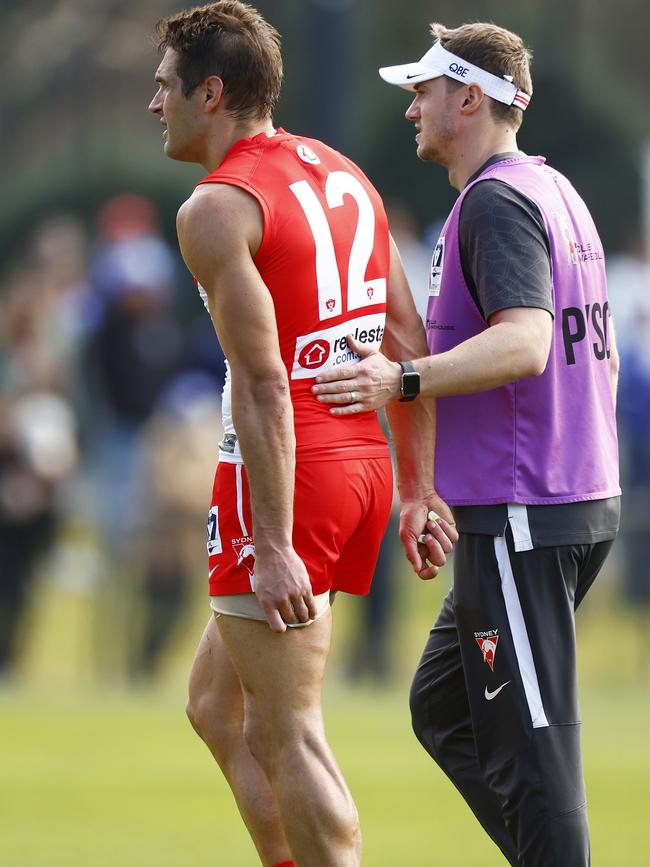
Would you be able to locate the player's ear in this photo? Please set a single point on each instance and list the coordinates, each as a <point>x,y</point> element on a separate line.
<point>213,90</point>
<point>473,98</point>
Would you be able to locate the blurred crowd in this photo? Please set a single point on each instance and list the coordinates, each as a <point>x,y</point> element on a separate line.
<point>110,417</point>
<point>109,423</point>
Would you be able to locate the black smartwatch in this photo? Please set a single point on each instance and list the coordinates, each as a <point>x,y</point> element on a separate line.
<point>410,386</point>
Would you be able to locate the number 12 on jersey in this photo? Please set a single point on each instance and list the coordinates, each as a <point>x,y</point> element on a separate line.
<point>361,292</point>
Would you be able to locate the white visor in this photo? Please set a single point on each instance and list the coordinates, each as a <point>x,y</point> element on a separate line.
<point>438,61</point>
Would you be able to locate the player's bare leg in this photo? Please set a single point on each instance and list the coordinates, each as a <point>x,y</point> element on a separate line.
<point>216,711</point>
<point>282,678</point>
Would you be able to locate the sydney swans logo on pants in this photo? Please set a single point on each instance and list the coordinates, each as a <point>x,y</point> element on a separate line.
<point>487,641</point>
<point>323,350</point>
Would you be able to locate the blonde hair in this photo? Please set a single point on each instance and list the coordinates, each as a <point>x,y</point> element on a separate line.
<point>495,50</point>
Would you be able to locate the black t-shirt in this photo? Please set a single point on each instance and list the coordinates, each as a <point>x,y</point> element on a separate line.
<point>504,247</point>
<point>506,262</point>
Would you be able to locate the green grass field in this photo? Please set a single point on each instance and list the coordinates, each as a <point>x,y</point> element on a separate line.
<point>95,776</point>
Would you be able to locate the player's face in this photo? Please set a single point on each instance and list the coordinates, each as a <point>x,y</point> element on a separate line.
<point>180,115</point>
<point>430,111</point>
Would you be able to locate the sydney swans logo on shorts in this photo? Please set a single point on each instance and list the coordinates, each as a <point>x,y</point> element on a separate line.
<point>487,641</point>
<point>245,551</point>
<point>323,350</point>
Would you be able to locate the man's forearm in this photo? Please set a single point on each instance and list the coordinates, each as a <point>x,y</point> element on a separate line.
<point>503,353</point>
<point>413,429</point>
<point>412,425</point>
<point>263,418</point>
<point>515,346</point>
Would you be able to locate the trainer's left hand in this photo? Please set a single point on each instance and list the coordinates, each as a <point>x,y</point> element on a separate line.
<point>428,533</point>
<point>368,385</point>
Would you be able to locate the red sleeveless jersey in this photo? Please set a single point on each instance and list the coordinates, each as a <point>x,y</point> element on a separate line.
<point>324,258</point>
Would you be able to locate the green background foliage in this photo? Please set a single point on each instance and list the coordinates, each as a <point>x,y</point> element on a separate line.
<point>79,76</point>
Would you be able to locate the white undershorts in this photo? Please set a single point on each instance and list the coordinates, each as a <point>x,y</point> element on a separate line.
<point>246,605</point>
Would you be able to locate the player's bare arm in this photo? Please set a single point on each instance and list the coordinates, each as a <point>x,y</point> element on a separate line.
<point>220,229</point>
<point>515,346</point>
<point>413,428</point>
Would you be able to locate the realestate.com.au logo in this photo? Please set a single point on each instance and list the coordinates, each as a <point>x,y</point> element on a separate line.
<point>323,350</point>
<point>314,354</point>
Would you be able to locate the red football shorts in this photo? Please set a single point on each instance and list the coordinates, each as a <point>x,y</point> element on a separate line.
<point>341,509</point>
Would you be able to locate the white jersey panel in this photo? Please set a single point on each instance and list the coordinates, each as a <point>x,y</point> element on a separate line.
<point>229,450</point>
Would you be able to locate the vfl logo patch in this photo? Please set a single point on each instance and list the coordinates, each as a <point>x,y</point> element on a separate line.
<point>323,350</point>
<point>487,641</point>
<point>437,263</point>
<point>214,539</point>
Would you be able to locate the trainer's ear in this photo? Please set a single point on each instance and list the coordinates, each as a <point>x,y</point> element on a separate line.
<point>213,91</point>
<point>473,98</point>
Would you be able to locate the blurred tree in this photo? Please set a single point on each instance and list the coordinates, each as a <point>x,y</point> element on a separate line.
<point>74,127</point>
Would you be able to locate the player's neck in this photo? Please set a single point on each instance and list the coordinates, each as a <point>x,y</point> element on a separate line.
<point>477,150</point>
<point>227,133</point>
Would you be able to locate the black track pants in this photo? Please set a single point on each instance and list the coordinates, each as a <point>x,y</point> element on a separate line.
<point>494,699</point>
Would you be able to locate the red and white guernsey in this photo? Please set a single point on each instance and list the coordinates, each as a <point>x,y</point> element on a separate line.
<point>324,258</point>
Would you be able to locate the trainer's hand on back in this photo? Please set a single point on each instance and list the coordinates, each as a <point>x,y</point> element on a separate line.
<point>283,588</point>
<point>368,385</point>
<point>428,533</point>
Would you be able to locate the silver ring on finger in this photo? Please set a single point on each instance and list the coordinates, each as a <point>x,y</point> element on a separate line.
<point>352,397</point>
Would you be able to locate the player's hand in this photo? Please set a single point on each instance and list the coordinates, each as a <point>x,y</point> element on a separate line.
<point>368,385</point>
<point>428,533</point>
<point>283,588</point>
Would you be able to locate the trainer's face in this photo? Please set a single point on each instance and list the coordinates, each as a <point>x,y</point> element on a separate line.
<point>180,115</point>
<point>430,111</point>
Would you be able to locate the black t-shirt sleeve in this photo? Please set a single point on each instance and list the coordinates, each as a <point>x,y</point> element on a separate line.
<point>504,249</point>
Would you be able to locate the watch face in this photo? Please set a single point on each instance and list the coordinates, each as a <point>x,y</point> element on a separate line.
<point>410,384</point>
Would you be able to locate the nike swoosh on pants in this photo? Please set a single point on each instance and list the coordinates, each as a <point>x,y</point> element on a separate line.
<point>490,695</point>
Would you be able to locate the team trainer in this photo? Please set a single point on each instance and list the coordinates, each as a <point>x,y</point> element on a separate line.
<point>523,365</point>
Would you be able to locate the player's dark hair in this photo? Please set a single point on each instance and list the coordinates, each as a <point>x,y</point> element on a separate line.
<point>495,50</point>
<point>231,40</point>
